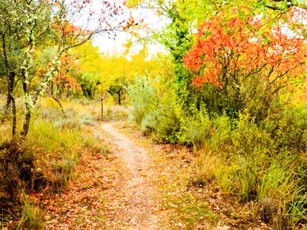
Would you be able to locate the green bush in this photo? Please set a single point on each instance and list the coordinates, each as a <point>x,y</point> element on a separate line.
<point>205,132</point>
<point>288,128</point>
<point>163,122</point>
<point>144,98</point>
<point>154,108</point>
<point>63,169</point>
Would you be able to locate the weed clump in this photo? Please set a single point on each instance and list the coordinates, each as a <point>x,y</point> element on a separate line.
<point>31,217</point>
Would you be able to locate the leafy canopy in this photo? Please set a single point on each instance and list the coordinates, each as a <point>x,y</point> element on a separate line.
<point>228,48</point>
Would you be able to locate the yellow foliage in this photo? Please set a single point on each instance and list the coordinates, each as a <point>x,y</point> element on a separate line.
<point>132,3</point>
<point>117,69</point>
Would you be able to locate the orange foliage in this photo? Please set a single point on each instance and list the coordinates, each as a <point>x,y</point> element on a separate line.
<point>67,29</point>
<point>63,77</point>
<point>231,48</point>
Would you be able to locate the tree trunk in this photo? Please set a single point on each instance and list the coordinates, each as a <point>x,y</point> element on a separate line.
<point>119,96</point>
<point>59,103</point>
<point>26,122</point>
<point>101,107</point>
<point>10,101</point>
<point>51,88</point>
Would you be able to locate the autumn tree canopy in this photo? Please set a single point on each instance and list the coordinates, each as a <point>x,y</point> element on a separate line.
<point>247,58</point>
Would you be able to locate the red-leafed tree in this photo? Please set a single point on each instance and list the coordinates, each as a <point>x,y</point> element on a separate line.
<point>247,59</point>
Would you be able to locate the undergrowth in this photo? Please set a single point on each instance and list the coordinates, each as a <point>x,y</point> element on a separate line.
<point>262,161</point>
<point>48,158</point>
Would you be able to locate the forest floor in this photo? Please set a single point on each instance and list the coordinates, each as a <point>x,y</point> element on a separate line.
<point>141,184</point>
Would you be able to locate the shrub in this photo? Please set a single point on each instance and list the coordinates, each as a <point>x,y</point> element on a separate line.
<point>115,113</point>
<point>208,167</point>
<point>143,96</point>
<point>203,131</point>
<point>154,107</point>
<point>288,128</point>
<point>163,122</point>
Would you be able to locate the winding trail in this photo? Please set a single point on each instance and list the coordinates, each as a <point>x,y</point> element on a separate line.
<point>139,208</point>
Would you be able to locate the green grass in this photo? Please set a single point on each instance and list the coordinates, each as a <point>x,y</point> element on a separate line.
<point>31,217</point>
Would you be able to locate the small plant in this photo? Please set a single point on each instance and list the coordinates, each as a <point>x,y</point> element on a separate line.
<point>297,212</point>
<point>198,129</point>
<point>208,166</point>
<point>104,150</point>
<point>279,186</point>
<point>64,169</point>
<point>31,217</point>
<point>116,113</point>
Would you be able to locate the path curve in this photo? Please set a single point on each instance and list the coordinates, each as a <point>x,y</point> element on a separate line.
<point>140,203</point>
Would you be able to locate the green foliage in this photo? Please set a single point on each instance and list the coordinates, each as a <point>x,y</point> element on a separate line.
<point>298,211</point>
<point>154,108</point>
<point>143,97</point>
<point>197,129</point>
<point>57,141</point>
<point>243,176</point>
<point>255,161</point>
<point>279,185</point>
<point>288,128</point>
<point>248,138</point>
<point>116,113</point>
<point>206,169</point>
<point>95,146</point>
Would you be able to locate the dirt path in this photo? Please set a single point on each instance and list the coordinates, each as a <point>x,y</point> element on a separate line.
<point>140,188</point>
<point>138,210</point>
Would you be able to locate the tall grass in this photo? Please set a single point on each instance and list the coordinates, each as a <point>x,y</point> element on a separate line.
<point>251,164</point>
<point>31,217</point>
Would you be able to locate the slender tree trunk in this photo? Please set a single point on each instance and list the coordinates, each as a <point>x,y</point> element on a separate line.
<point>101,107</point>
<point>59,103</point>
<point>26,123</point>
<point>6,64</point>
<point>119,97</point>
<point>27,118</point>
<point>10,101</point>
<point>51,88</point>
